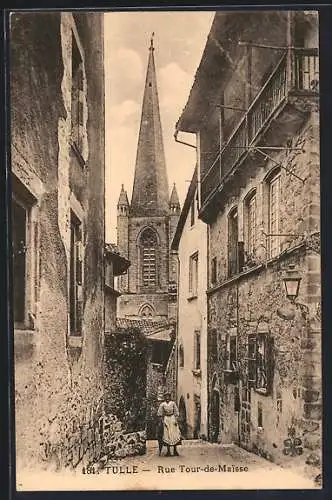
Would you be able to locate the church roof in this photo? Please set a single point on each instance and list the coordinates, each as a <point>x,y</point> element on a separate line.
<point>174,199</point>
<point>154,329</point>
<point>150,191</point>
<point>123,198</point>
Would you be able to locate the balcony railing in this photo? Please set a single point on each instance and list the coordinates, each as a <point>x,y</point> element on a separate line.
<point>301,74</point>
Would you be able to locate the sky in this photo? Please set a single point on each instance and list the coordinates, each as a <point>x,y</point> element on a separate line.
<point>179,41</point>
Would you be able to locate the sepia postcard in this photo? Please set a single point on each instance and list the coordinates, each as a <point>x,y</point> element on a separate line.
<point>165,237</point>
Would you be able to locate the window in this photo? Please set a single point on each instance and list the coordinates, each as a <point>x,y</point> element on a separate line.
<point>192,213</point>
<point>259,414</point>
<point>260,362</point>
<point>181,356</point>
<point>77,96</point>
<point>25,255</point>
<point>148,253</point>
<point>231,353</point>
<point>251,225</point>
<point>274,216</point>
<point>214,271</point>
<point>19,242</point>
<point>197,356</point>
<point>213,345</point>
<point>147,311</point>
<point>232,242</point>
<point>76,276</point>
<point>193,274</point>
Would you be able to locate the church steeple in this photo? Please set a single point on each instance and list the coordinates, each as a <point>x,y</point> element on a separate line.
<point>123,203</point>
<point>174,203</point>
<point>150,190</point>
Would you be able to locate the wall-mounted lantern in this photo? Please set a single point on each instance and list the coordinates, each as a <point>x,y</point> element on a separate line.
<point>292,280</point>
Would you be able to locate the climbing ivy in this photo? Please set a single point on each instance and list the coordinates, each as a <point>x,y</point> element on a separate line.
<point>125,376</point>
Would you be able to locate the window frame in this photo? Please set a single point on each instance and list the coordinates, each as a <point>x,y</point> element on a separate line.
<point>257,367</point>
<point>193,275</point>
<point>232,242</point>
<point>145,261</point>
<point>274,239</point>
<point>77,93</point>
<point>197,350</point>
<point>76,275</point>
<point>23,197</point>
<point>250,203</point>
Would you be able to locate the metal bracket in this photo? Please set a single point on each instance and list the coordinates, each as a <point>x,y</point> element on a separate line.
<point>279,164</point>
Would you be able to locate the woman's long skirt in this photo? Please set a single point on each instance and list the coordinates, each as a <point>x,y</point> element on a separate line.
<point>172,435</point>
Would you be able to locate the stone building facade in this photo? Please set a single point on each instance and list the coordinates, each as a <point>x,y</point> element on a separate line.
<point>257,127</point>
<point>190,243</point>
<point>57,220</point>
<point>145,228</point>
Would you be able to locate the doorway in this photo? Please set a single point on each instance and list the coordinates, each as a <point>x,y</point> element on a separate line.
<point>215,415</point>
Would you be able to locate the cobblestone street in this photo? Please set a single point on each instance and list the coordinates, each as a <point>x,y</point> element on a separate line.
<point>201,466</point>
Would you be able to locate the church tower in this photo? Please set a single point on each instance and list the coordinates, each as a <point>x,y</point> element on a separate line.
<point>146,226</point>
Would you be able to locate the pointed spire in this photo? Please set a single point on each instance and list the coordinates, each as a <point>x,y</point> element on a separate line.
<point>151,42</point>
<point>150,190</point>
<point>123,203</point>
<point>174,203</point>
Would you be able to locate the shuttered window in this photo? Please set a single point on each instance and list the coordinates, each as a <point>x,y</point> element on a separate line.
<point>260,362</point>
<point>77,95</point>
<point>197,358</point>
<point>251,229</point>
<point>274,217</point>
<point>233,234</point>
<point>193,274</point>
<point>76,276</point>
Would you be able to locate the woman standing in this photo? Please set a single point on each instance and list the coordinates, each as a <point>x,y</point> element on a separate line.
<point>168,413</point>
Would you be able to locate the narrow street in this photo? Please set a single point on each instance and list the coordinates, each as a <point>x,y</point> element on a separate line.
<point>201,466</point>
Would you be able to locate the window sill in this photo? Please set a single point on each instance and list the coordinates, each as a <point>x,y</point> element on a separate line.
<point>191,297</point>
<point>197,372</point>
<point>261,391</point>
<point>75,341</point>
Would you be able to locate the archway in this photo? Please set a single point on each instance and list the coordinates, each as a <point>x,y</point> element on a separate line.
<point>146,311</point>
<point>183,418</point>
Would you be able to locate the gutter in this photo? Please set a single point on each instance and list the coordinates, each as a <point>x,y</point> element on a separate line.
<point>182,142</point>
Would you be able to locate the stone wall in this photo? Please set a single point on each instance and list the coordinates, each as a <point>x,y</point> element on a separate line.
<point>58,390</point>
<point>255,302</point>
<point>129,305</point>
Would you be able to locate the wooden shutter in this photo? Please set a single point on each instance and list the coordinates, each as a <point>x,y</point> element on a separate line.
<point>252,360</point>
